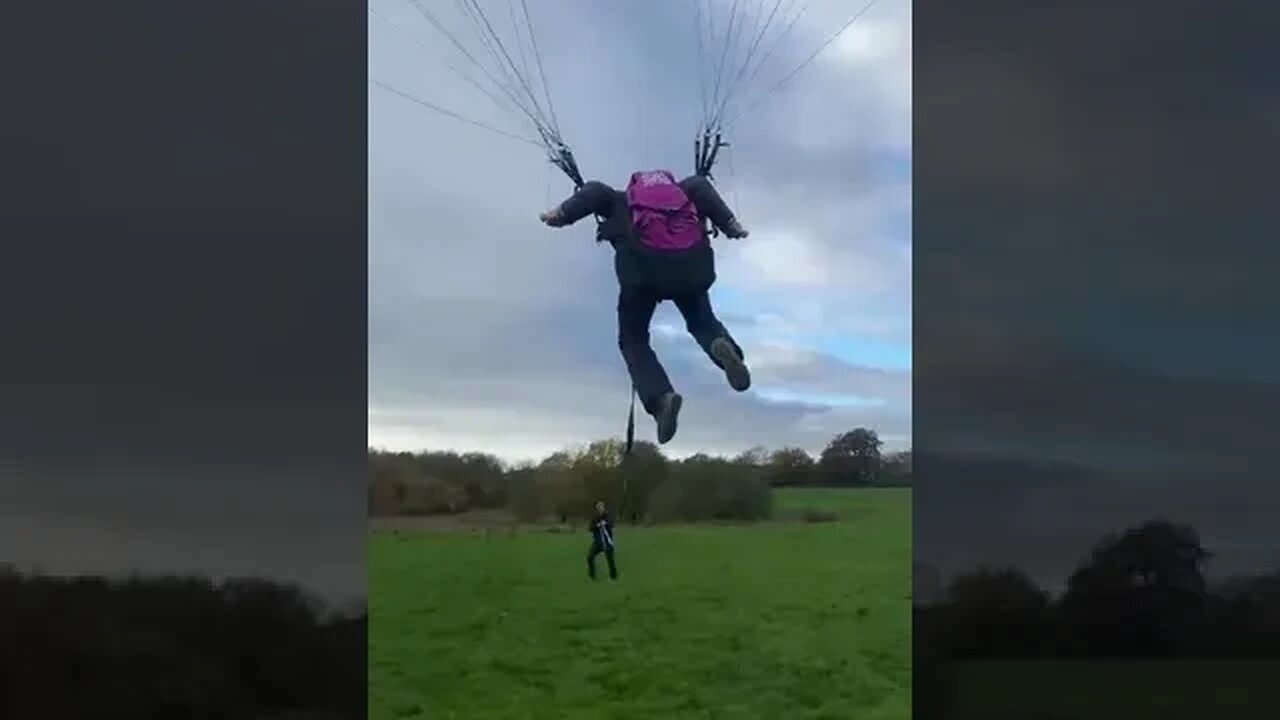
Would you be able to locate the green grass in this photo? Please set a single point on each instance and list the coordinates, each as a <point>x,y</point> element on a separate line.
<point>1123,690</point>
<point>850,505</point>
<point>767,621</point>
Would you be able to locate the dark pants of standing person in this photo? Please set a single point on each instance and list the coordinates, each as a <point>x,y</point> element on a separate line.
<point>596,549</point>
<point>636,306</point>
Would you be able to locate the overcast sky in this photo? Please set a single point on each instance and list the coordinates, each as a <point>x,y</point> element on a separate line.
<point>182,375</point>
<point>490,332</point>
<point>1096,295</point>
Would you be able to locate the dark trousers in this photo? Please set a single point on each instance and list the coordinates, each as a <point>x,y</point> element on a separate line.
<point>636,306</point>
<point>596,549</point>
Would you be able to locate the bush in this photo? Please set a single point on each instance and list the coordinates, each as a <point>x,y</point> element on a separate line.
<point>434,482</point>
<point>641,488</point>
<point>703,488</point>
<point>524,497</point>
<point>433,497</point>
<point>818,515</point>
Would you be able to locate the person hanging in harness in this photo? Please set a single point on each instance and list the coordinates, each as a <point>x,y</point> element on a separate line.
<point>601,542</point>
<point>662,251</point>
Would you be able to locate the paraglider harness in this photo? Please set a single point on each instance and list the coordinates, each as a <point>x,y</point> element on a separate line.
<point>706,149</point>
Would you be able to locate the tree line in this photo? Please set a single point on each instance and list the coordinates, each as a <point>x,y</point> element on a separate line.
<point>1140,593</point>
<point>175,647</point>
<point>643,486</point>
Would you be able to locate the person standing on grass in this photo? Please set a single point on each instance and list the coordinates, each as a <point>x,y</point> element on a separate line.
<point>601,542</point>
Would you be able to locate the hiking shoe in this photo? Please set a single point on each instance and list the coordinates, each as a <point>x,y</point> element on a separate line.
<point>735,370</point>
<point>668,413</point>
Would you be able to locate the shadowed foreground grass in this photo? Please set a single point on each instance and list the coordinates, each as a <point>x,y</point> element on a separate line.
<point>1120,689</point>
<point>773,620</point>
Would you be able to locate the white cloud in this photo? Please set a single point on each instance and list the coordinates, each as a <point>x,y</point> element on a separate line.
<point>782,258</point>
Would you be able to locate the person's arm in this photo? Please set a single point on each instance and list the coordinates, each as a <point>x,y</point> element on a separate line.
<point>594,198</point>
<point>711,206</point>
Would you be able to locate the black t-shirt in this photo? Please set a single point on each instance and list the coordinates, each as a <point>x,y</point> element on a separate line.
<point>602,530</point>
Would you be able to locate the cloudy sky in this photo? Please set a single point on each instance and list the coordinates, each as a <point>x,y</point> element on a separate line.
<point>490,332</point>
<point>1094,281</point>
<point>182,384</point>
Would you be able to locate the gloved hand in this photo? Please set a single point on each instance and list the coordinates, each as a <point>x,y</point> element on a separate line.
<point>736,231</point>
<point>551,218</point>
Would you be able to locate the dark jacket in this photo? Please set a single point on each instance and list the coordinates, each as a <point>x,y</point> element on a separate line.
<point>691,270</point>
<point>602,530</point>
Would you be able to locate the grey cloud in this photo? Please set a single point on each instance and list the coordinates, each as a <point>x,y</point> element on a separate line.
<point>565,370</point>
<point>1090,285</point>
<point>174,296</point>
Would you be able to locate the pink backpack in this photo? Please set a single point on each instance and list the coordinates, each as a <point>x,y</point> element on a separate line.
<point>664,217</point>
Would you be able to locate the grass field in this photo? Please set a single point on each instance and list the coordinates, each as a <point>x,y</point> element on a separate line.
<point>1123,690</point>
<point>776,620</point>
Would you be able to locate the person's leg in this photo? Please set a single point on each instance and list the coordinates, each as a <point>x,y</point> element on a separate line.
<point>635,312</point>
<point>701,321</point>
<point>591,560</point>
<point>613,567</point>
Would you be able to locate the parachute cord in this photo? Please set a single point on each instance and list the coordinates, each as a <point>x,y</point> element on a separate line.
<point>626,455</point>
<point>733,181</point>
<point>499,51</point>
<point>451,114</point>
<point>631,424</point>
<point>724,53</point>
<point>453,68</point>
<point>702,75</point>
<point>783,82</point>
<point>511,94</point>
<point>746,63</point>
<point>537,54</point>
<point>548,193</point>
